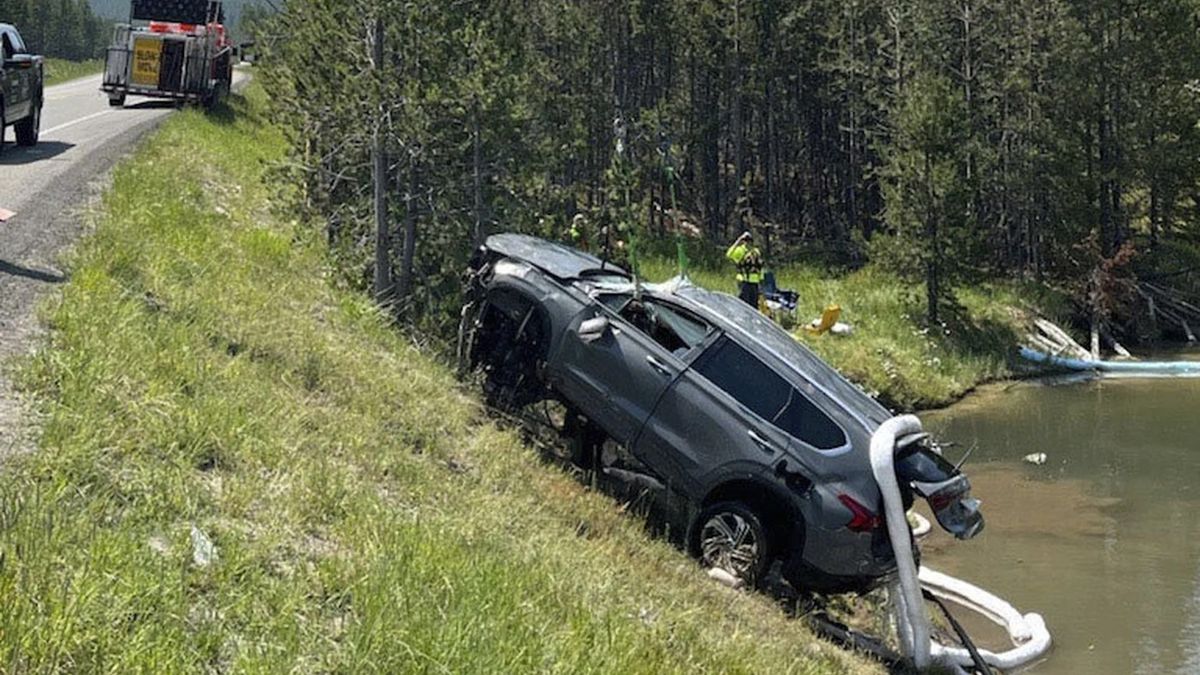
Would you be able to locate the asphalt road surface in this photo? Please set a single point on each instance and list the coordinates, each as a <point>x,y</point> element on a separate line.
<point>48,186</point>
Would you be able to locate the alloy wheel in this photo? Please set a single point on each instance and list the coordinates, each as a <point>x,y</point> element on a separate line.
<point>729,542</point>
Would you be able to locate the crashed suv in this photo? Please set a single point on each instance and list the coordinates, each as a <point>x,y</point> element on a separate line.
<point>755,448</point>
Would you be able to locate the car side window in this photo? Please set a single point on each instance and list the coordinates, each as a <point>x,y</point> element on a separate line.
<point>674,330</point>
<point>9,49</point>
<point>764,392</point>
<point>805,421</point>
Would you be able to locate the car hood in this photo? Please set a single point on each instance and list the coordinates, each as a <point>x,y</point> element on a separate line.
<point>557,260</point>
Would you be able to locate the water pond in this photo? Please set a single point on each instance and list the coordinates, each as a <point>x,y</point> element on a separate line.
<point>1104,538</point>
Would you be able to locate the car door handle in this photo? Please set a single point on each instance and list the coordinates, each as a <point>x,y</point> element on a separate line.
<point>762,443</point>
<point>658,366</point>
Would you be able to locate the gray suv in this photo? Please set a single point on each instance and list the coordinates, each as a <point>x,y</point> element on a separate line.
<point>755,448</point>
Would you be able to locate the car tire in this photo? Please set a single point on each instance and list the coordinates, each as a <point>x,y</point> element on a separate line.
<point>117,101</point>
<point>731,536</point>
<point>3,126</point>
<point>30,128</point>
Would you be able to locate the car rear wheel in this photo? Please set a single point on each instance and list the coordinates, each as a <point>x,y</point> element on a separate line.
<point>117,101</point>
<point>731,537</point>
<point>29,128</point>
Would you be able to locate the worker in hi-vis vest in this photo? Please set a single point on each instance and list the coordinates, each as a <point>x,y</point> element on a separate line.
<point>749,261</point>
<point>577,234</point>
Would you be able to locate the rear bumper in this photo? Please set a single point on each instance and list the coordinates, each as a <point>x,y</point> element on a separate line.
<point>839,561</point>
<point>803,576</point>
<point>151,93</point>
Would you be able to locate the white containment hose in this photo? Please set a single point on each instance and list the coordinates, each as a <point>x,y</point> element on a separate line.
<point>1028,632</point>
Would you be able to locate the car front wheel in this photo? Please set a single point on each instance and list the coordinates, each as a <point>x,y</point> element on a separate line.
<point>29,128</point>
<point>731,537</point>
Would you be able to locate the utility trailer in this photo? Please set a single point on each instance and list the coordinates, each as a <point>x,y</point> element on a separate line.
<point>171,49</point>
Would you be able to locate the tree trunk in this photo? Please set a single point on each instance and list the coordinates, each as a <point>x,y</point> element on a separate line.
<point>738,123</point>
<point>933,262</point>
<point>383,243</point>
<point>410,232</point>
<point>477,166</point>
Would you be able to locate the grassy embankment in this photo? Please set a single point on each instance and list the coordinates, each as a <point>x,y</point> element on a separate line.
<point>892,353</point>
<point>60,70</point>
<point>367,515</point>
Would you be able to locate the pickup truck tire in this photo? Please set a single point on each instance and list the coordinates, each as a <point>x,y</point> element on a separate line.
<point>117,101</point>
<point>30,128</point>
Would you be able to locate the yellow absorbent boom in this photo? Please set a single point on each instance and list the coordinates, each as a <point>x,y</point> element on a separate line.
<point>828,320</point>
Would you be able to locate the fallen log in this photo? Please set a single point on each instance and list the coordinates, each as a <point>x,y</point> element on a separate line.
<point>1056,335</point>
<point>1117,347</point>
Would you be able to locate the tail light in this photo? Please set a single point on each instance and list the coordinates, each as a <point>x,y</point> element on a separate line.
<point>863,520</point>
<point>940,500</point>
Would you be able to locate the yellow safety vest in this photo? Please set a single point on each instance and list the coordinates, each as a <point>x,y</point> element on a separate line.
<point>749,262</point>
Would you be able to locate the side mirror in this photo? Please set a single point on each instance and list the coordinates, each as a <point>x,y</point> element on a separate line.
<point>593,329</point>
<point>19,61</point>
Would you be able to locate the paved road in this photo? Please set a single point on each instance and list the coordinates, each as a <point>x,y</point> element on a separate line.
<point>47,186</point>
<point>79,130</point>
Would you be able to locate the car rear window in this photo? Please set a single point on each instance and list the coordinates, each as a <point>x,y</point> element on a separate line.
<point>764,392</point>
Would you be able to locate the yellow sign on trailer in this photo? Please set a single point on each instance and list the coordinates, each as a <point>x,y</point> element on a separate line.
<point>147,59</point>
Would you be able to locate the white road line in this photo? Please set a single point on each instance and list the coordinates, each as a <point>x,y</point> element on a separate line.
<point>74,122</point>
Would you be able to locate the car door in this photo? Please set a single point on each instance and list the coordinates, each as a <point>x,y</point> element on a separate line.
<point>16,85</point>
<point>619,374</point>
<point>8,84</point>
<point>717,415</point>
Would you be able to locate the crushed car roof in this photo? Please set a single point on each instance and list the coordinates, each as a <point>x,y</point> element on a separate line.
<point>561,261</point>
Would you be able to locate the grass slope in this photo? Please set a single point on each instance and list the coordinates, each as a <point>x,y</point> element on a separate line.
<point>893,353</point>
<point>367,516</point>
<point>59,70</point>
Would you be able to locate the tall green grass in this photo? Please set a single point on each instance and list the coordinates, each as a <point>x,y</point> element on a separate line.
<point>893,353</point>
<point>367,516</point>
<point>61,70</point>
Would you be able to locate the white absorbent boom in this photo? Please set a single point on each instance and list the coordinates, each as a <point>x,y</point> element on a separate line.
<point>1028,633</point>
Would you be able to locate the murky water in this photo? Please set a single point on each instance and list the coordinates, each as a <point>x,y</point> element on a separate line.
<point>1104,539</point>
